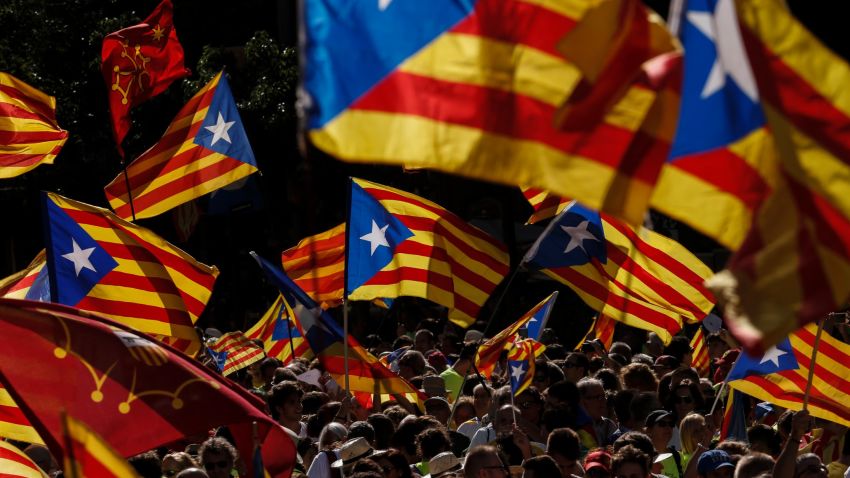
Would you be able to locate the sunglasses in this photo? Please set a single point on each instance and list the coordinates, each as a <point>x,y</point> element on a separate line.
<point>217,464</point>
<point>680,399</point>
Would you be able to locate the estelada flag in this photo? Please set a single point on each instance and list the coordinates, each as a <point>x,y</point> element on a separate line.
<point>399,244</point>
<point>140,62</point>
<point>90,456</point>
<point>29,133</point>
<point>317,265</point>
<point>234,351</point>
<point>279,331</point>
<point>116,379</point>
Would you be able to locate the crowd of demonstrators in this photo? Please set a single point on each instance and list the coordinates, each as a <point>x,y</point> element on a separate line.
<point>637,410</point>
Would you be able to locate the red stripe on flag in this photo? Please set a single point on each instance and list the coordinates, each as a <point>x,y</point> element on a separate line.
<point>43,109</point>
<point>136,310</point>
<point>20,160</point>
<point>28,137</point>
<point>458,269</point>
<point>728,172</point>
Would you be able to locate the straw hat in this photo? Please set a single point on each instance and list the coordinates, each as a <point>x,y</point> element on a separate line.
<point>351,451</point>
<point>443,463</point>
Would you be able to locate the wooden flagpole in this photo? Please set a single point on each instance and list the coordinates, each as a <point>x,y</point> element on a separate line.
<point>812,366</point>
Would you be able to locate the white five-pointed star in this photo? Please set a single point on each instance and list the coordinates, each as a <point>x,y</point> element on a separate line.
<point>772,355</point>
<point>517,371</point>
<point>383,4</point>
<point>80,257</point>
<point>219,129</point>
<point>578,234</point>
<point>722,29</point>
<point>377,237</point>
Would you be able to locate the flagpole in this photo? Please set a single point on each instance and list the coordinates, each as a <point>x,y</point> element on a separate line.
<point>129,192</point>
<point>812,366</point>
<point>345,340</point>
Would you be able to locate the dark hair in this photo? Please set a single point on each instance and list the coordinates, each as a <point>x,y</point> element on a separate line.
<point>218,446</point>
<point>638,440</point>
<point>580,359</point>
<point>642,405</point>
<point>564,391</point>
<point>362,429</point>
<point>396,413</point>
<point>366,465</point>
<point>283,374</point>
<point>733,447</point>
<point>622,405</point>
<point>542,466</point>
<point>432,442</point>
<point>147,464</point>
<point>693,390</point>
<point>397,459</point>
<point>282,392</point>
<point>402,341</point>
<point>312,401</point>
<point>767,435</point>
<point>754,464</point>
<point>630,454</point>
<point>639,376</point>
<point>609,378</point>
<point>384,429</point>
<point>678,347</point>
<point>565,442</point>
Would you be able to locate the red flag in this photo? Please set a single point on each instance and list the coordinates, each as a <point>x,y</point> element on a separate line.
<point>116,379</point>
<point>140,62</point>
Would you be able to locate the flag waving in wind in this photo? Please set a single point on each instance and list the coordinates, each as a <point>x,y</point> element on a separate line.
<point>14,463</point>
<point>399,244</point>
<point>139,63</point>
<point>88,455</point>
<point>204,148</point>
<point>234,351</point>
<point>521,358</point>
<point>637,277</point>
<point>276,329</point>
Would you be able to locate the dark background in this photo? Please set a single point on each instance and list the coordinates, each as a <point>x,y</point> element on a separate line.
<point>55,46</point>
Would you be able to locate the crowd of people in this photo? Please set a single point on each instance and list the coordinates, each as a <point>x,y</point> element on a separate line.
<point>635,410</point>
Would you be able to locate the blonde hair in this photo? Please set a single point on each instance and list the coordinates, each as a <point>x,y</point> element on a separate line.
<point>689,432</point>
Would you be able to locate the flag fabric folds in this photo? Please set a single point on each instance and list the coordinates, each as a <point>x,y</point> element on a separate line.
<point>326,338</point>
<point>521,358</point>
<point>101,263</point>
<point>89,456</point>
<point>770,162</point>
<point>234,351</point>
<point>434,95</point>
<point>535,325</point>
<point>779,376</point>
<point>13,423</point>
<point>734,426</point>
<point>14,463</point>
<point>699,353</point>
<point>276,328</point>
<point>638,277</point>
<point>602,329</point>
<point>399,244</point>
<point>140,62</point>
<point>120,379</point>
<point>204,148</point>
<point>29,133</point>
<point>317,265</point>
<point>488,353</point>
<point>30,283</point>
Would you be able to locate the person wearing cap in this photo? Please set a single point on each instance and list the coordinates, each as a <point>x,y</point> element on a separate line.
<point>351,451</point>
<point>442,464</point>
<point>437,360</point>
<point>665,364</point>
<point>715,464</point>
<point>659,428</point>
<point>439,408</point>
<point>433,386</point>
<point>597,464</point>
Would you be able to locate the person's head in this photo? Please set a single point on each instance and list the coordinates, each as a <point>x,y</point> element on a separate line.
<point>764,439</point>
<point>393,463</point>
<point>680,347</point>
<point>434,386</point>
<point>504,422</point>
<point>629,462</point>
<point>734,448</point>
<point>639,376</point>
<point>716,345</point>
<point>642,405</point>
<point>484,462</point>
<point>312,401</point>
<point>593,398</point>
<point>564,447</point>
<point>432,442</point>
<point>715,464</point>
<point>754,464</point>
<point>540,467</point>
<point>192,473</point>
<point>384,429</point>
<point>333,435</point>
<point>174,463</point>
<point>653,346</point>
<point>609,378</point>
<point>411,364</point>
<point>443,465</point>
<point>576,366</point>
<point>353,450</point>
<point>621,348</point>
<point>638,440</point>
<point>217,457</point>
<point>684,399</point>
<point>693,430</point>
<point>285,402</point>
<point>659,427</point>
<point>546,373</point>
<point>147,465</point>
<point>437,360</point>
<point>464,410</point>
<point>481,397</point>
<point>597,464</point>
<point>423,341</point>
<point>530,403</point>
<point>810,465</point>
<point>362,429</point>
<point>438,408</point>
<point>664,365</point>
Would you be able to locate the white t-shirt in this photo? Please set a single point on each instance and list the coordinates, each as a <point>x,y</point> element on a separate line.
<point>321,466</point>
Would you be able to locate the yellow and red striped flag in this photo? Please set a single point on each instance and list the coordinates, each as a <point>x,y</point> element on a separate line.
<point>780,375</point>
<point>488,353</point>
<point>602,328</point>
<point>699,353</point>
<point>13,423</point>
<point>637,277</point>
<point>419,249</point>
<point>234,351</point>
<point>759,164</point>
<point>276,329</point>
<point>100,263</point>
<point>317,265</point>
<point>29,283</point>
<point>29,133</point>
<point>14,463</point>
<point>87,455</point>
<point>521,357</point>
<point>466,85</point>
<point>204,148</point>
